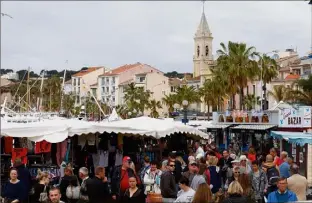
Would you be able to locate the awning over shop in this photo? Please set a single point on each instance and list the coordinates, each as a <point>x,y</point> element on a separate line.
<point>253,127</point>
<point>299,138</point>
<point>218,126</point>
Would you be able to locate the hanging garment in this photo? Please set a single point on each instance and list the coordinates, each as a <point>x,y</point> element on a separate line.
<point>42,147</point>
<point>89,138</point>
<point>119,139</point>
<point>8,145</point>
<point>118,159</point>
<point>20,153</point>
<point>103,158</point>
<point>96,159</point>
<point>103,142</point>
<point>61,149</point>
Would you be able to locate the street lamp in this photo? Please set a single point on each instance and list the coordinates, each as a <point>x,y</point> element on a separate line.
<point>184,104</point>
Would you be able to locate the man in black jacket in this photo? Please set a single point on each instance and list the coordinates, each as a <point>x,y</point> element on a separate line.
<point>225,164</point>
<point>178,167</point>
<point>120,179</point>
<point>97,187</point>
<point>168,184</point>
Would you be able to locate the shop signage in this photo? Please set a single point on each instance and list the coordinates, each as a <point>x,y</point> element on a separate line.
<point>295,118</point>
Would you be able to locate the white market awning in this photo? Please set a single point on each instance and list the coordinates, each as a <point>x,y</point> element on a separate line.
<point>156,128</point>
<point>254,127</point>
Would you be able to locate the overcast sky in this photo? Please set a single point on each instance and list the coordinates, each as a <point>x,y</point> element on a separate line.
<point>44,35</point>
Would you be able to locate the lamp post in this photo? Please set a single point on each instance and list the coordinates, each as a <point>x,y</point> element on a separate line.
<point>184,104</point>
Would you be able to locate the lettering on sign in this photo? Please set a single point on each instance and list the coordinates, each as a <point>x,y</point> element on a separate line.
<point>294,120</point>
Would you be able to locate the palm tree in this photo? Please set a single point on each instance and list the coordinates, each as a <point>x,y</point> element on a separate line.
<point>250,101</point>
<point>269,70</point>
<point>187,93</point>
<point>136,98</point>
<point>69,102</point>
<point>237,61</point>
<point>281,93</point>
<point>154,105</point>
<point>170,100</point>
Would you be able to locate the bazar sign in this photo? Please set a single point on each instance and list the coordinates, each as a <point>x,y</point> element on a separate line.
<point>295,118</point>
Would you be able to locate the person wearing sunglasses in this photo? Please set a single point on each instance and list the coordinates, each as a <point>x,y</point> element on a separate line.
<point>235,176</point>
<point>168,184</point>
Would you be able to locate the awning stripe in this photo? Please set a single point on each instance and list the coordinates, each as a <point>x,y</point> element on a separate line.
<point>254,127</point>
<point>299,138</point>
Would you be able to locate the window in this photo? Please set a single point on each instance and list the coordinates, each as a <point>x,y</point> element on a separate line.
<point>78,81</point>
<point>103,90</point>
<point>207,50</point>
<point>107,89</point>
<point>113,80</point>
<point>78,99</point>
<point>254,89</point>
<point>142,79</point>
<point>107,99</point>
<point>172,88</point>
<point>94,92</point>
<point>163,92</point>
<point>107,80</point>
<point>74,82</point>
<point>103,82</point>
<point>197,51</point>
<point>114,88</point>
<point>113,99</point>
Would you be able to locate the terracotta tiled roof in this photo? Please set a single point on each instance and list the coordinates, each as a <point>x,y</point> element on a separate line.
<point>194,79</point>
<point>121,69</point>
<point>84,72</point>
<point>174,81</point>
<point>292,77</point>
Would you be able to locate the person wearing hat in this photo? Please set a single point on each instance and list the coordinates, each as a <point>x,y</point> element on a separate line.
<point>120,179</point>
<point>192,166</point>
<point>244,166</point>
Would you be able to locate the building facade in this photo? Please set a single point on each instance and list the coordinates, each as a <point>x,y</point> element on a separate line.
<point>111,85</point>
<point>82,81</point>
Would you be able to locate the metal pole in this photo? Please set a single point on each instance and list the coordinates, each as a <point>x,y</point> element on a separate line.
<point>185,115</point>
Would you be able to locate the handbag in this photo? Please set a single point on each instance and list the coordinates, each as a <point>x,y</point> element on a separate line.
<point>73,192</point>
<point>44,195</point>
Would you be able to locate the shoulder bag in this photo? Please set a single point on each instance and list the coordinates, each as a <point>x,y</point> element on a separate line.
<point>73,192</point>
<point>44,195</point>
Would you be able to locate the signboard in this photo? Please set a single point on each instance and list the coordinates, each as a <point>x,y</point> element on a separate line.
<point>295,118</point>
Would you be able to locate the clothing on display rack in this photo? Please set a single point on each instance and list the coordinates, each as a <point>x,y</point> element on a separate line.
<point>61,149</point>
<point>103,142</point>
<point>89,138</point>
<point>19,153</point>
<point>8,145</point>
<point>100,159</point>
<point>118,159</point>
<point>42,147</point>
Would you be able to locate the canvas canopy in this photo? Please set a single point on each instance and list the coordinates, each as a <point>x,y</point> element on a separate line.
<point>58,129</point>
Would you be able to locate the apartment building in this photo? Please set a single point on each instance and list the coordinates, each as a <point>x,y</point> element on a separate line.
<point>112,84</point>
<point>82,81</point>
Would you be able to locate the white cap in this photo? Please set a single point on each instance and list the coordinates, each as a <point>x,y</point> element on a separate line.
<point>242,158</point>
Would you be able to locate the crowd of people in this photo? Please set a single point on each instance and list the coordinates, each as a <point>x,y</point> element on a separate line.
<point>201,176</point>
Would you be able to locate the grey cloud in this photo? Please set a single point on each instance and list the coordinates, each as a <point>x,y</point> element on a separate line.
<point>46,34</point>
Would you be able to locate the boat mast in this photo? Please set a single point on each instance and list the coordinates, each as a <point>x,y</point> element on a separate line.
<point>62,90</point>
<point>28,90</point>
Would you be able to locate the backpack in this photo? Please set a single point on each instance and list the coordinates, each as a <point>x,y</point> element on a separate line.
<point>273,175</point>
